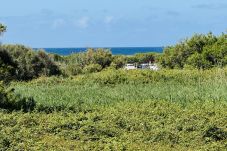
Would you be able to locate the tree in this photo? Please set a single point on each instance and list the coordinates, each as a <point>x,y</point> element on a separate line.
<point>7,65</point>
<point>2,28</point>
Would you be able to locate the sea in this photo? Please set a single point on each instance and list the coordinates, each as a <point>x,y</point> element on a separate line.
<point>114,50</point>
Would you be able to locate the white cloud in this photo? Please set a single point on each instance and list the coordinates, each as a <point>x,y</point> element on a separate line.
<point>108,19</point>
<point>58,23</point>
<point>83,22</point>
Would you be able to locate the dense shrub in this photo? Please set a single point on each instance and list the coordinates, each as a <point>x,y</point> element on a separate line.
<point>92,68</point>
<point>100,56</point>
<point>73,69</point>
<point>93,60</point>
<point>56,57</point>
<point>45,65</point>
<point>142,58</point>
<point>11,101</point>
<point>200,51</point>
<point>7,66</point>
<point>130,125</point>
<point>118,61</point>
<point>29,64</point>
<point>215,133</point>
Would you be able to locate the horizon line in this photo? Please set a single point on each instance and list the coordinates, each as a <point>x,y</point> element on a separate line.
<point>102,47</point>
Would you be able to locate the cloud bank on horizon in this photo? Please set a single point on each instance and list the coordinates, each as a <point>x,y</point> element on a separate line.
<point>107,23</point>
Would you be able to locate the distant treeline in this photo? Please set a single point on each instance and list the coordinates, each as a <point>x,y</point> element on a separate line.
<point>18,62</point>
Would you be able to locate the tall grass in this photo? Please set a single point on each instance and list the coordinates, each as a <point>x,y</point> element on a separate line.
<point>110,86</point>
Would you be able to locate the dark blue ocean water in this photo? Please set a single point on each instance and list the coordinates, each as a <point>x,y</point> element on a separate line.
<point>114,50</point>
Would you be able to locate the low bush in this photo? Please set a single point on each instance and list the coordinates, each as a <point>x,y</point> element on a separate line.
<point>11,101</point>
<point>130,125</point>
<point>215,133</point>
<point>72,69</point>
<point>91,68</point>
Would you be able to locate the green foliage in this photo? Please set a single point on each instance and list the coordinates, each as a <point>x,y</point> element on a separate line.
<point>93,60</point>
<point>102,57</point>
<point>2,28</point>
<point>200,51</point>
<point>109,86</point>
<point>121,110</point>
<point>73,69</point>
<point>56,57</point>
<point>10,101</point>
<point>142,58</point>
<point>118,61</point>
<point>99,56</point>
<point>115,109</point>
<point>7,66</point>
<point>45,65</point>
<point>28,63</point>
<point>92,68</point>
<point>131,125</point>
<point>198,61</point>
<point>146,57</point>
<point>215,133</point>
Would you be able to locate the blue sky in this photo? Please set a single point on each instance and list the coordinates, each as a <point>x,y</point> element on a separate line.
<point>109,23</point>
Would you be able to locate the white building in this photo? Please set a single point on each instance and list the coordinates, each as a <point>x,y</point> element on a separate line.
<point>150,66</point>
<point>130,67</point>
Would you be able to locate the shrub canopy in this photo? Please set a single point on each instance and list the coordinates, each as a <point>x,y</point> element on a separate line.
<point>200,51</point>
<point>25,63</point>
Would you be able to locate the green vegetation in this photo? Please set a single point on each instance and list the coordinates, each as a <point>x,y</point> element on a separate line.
<point>200,51</point>
<point>7,66</point>
<point>85,101</point>
<point>2,28</point>
<point>109,86</point>
<point>95,60</point>
<point>18,62</point>
<point>21,63</point>
<point>122,110</point>
<point>11,101</point>
<point>144,125</point>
